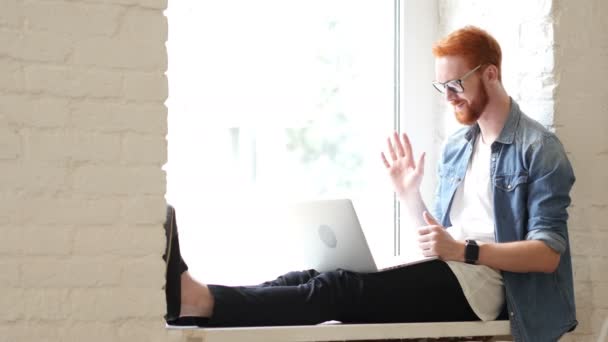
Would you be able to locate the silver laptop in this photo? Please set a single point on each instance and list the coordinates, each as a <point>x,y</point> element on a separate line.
<point>328,236</point>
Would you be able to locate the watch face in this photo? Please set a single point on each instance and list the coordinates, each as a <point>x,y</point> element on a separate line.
<point>471,252</point>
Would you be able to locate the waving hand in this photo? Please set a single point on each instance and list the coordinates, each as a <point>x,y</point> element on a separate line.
<point>405,174</point>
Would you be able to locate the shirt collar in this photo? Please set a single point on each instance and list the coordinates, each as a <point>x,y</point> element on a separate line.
<point>507,135</point>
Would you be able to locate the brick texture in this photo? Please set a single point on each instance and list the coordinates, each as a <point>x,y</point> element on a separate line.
<point>82,143</point>
<point>82,127</point>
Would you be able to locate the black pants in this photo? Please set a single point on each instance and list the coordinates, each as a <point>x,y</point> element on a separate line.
<point>426,292</point>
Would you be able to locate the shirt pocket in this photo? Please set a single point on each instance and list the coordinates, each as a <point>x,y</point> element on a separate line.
<point>511,182</point>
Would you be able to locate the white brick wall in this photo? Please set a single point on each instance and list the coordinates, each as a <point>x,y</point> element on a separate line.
<point>581,119</point>
<point>82,127</point>
<point>555,64</point>
<point>82,142</point>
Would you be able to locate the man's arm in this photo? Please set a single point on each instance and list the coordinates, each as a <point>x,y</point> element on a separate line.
<point>518,256</point>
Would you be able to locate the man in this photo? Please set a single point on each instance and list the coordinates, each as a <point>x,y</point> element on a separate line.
<point>499,227</point>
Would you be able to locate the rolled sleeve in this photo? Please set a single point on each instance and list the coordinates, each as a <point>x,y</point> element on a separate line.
<point>552,239</point>
<point>552,178</point>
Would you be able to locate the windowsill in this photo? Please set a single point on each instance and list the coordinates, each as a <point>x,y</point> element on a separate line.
<point>347,332</point>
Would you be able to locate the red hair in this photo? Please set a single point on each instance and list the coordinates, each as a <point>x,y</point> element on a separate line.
<point>474,44</point>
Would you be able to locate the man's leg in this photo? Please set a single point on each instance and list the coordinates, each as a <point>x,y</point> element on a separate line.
<point>292,278</point>
<point>197,300</point>
<point>418,293</point>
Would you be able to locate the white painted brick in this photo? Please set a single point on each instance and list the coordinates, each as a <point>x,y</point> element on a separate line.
<point>10,13</point>
<point>574,19</point>
<point>583,316</point>
<point>30,331</point>
<point>143,271</point>
<point>10,143</point>
<point>33,177</point>
<point>154,4</point>
<point>578,76</point>
<point>144,25</point>
<point>591,244</point>
<point>144,148</point>
<point>593,206</point>
<point>588,183</point>
<point>158,4</point>
<point>142,331</point>
<point>600,295</point>
<point>73,82</point>
<point>34,110</point>
<point>72,18</point>
<point>581,268</point>
<point>96,241</point>
<point>9,275</point>
<point>600,24</point>
<point>46,240</point>
<point>583,294</point>
<point>599,269</point>
<point>64,111</point>
<point>90,332</point>
<point>115,117</point>
<point>12,304</point>
<point>146,86</point>
<point>62,145</point>
<point>598,318</point>
<point>119,180</point>
<point>12,75</point>
<point>35,46</point>
<point>579,221</point>
<point>71,273</point>
<point>109,304</point>
<point>46,304</point>
<point>12,241</point>
<point>79,211</point>
<point>10,210</point>
<point>123,53</point>
<point>144,210</point>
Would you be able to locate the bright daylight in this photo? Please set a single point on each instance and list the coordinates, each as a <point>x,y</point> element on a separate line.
<point>271,102</point>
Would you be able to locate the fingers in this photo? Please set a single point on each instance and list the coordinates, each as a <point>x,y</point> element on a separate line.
<point>407,145</point>
<point>428,249</point>
<point>398,144</point>
<point>386,163</point>
<point>400,147</point>
<point>391,150</point>
<point>420,165</point>
<point>429,219</point>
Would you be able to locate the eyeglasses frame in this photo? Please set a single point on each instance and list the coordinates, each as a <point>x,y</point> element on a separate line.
<point>443,85</point>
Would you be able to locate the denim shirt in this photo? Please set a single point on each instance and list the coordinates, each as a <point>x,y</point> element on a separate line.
<point>531,178</point>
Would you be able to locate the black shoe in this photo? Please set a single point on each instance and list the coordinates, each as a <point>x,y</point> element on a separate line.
<point>189,322</point>
<point>175,266</point>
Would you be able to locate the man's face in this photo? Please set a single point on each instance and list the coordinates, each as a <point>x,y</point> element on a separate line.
<point>469,104</point>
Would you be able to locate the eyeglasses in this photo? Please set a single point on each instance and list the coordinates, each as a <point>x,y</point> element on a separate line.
<point>454,85</point>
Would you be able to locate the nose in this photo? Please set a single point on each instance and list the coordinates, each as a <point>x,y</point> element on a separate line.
<point>450,95</point>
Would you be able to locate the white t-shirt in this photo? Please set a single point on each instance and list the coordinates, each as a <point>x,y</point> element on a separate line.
<point>472,216</point>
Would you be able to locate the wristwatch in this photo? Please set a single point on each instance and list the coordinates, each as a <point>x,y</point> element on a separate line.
<point>471,252</point>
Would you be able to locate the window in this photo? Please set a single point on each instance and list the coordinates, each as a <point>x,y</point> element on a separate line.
<point>272,101</point>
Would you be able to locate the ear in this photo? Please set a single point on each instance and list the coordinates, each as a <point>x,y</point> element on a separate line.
<point>491,73</point>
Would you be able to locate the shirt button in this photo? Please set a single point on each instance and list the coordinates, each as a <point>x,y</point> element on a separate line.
<point>512,313</point>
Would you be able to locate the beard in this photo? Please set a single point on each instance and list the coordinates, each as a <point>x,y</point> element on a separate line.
<point>470,113</point>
